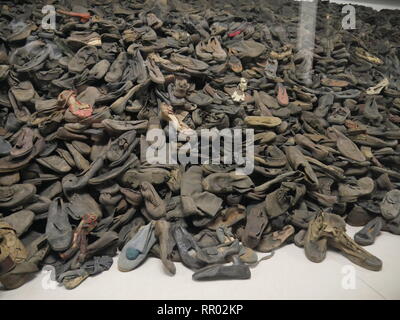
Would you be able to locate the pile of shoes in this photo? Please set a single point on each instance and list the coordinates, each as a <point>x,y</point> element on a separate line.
<point>76,103</point>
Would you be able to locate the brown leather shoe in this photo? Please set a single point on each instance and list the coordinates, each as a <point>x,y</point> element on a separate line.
<point>15,195</point>
<point>12,251</point>
<point>281,94</point>
<point>275,239</point>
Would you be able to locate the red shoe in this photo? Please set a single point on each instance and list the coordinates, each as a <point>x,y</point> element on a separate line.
<point>85,17</point>
<point>281,95</point>
<point>79,109</point>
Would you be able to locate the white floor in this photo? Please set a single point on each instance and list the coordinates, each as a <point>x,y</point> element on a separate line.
<point>288,275</point>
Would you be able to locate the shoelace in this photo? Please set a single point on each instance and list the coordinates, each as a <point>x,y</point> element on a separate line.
<point>263,259</point>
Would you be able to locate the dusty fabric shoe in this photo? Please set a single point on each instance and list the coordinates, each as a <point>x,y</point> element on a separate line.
<point>55,163</point>
<point>256,222</point>
<point>129,230</point>
<point>279,201</point>
<point>274,157</point>
<point>76,106</point>
<point>79,239</point>
<point>317,151</point>
<point>78,109</point>
<point>268,122</point>
<point>228,217</point>
<point>237,270</point>
<point>347,147</point>
<point>24,91</point>
<point>99,70</point>
<point>84,58</point>
<point>58,229</point>
<point>194,198</point>
<point>219,253</point>
<point>211,50</point>
<point>363,54</point>
<point>299,238</point>
<point>246,48</point>
<point>167,113</point>
<point>20,221</point>
<point>136,250</point>
<point>351,191</point>
<point>5,147</point>
<point>73,278</point>
<point>281,95</point>
<point>24,144</point>
<point>298,162</point>
<point>390,205</point>
<point>117,68</point>
<point>163,232</point>
<point>6,262</point>
<point>354,252</point>
<point>13,253</point>
<point>155,73</point>
<point>235,64</point>
<point>227,183</point>
<point>377,89</point>
<point>332,229</point>
<point>275,239</point>
<point>155,206</point>
<point>324,104</point>
<point>24,271</point>
<point>367,235</point>
<point>15,195</point>
<point>78,40</point>
<point>188,62</point>
<point>392,226</point>
<point>30,58</point>
<point>105,244</point>
<point>315,243</point>
<point>206,238</point>
<point>119,149</point>
<point>247,255</point>
<point>359,217</point>
<point>155,176</point>
<point>338,115</point>
<point>187,248</point>
<point>302,217</point>
<point>12,250</point>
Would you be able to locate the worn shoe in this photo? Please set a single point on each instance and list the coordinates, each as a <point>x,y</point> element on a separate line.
<point>367,235</point>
